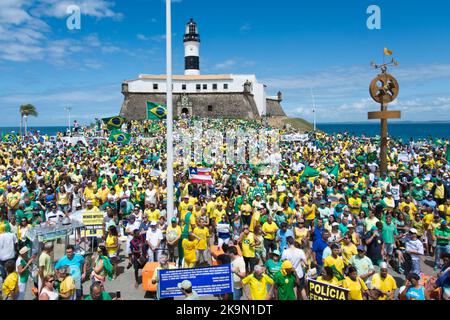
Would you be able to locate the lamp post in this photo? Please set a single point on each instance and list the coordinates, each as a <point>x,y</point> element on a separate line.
<point>25,123</point>
<point>314,109</point>
<point>169,134</point>
<point>68,109</point>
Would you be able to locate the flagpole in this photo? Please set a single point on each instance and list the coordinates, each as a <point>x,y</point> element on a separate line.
<point>169,135</point>
<point>314,109</point>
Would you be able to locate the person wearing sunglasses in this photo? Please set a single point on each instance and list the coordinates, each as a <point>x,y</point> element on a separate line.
<point>48,291</point>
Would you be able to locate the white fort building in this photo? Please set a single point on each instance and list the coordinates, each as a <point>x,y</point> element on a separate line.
<point>213,95</point>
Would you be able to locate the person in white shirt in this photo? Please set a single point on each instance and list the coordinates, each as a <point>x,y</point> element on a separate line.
<point>238,269</point>
<point>54,215</point>
<point>8,244</point>
<point>132,225</point>
<point>150,194</point>
<point>154,237</point>
<point>415,248</point>
<point>298,259</point>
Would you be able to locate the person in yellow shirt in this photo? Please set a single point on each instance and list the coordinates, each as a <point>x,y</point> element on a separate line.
<point>256,285</point>
<point>348,248</point>
<point>10,286</point>
<point>309,213</point>
<point>152,213</point>
<point>409,206</point>
<point>89,193</point>
<point>183,207</point>
<point>190,251</point>
<point>246,212</point>
<point>210,206</point>
<point>13,199</point>
<point>354,203</point>
<point>357,288</point>
<point>336,262</point>
<point>67,288</point>
<point>444,210</point>
<point>328,277</point>
<point>218,213</point>
<point>384,284</point>
<point>202,234</point>
<point>248,241</point>
<point>269,231</point>
<point>102,193</point>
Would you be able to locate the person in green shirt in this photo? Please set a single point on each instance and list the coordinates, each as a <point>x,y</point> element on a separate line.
<point>285,282</point>
<point>273,265</point>
<point>389,233</point>
<point>97,292</point>
<point>442,234</point>
<point>23,264</point>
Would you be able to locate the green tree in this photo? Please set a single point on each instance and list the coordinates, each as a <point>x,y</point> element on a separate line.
<point>26,110</point>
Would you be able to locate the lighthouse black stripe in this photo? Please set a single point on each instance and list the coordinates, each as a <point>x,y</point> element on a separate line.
<point>192,62</point>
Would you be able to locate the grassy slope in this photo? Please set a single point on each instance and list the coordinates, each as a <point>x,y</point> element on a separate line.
<point>297,123</point>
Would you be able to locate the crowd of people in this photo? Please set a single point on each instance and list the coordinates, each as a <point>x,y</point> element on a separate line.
<point>326,214</point>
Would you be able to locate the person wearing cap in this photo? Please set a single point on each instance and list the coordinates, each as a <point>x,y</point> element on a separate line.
<point>173,235</point>
<point>413,290</point>
<point>186,289</point>
<point>23,264</point>
<point>383,285</point>
<point>414,248</point>
<point>442,234</point>
<point>285,282</point>
<point>273,264</point>
<point>362,263</point>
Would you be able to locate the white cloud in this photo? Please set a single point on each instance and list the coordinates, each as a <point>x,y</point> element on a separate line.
<point>226,64</point>
<point>25,36</point>
<point>156,38</point>
<point>246,27</point>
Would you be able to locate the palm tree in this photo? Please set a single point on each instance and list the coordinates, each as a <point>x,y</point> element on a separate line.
<point>25,111</point>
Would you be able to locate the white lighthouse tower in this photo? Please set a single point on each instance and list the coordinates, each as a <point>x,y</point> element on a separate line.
<point>191,49</point>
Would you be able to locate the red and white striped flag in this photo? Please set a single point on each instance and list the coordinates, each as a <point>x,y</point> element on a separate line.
<point>200,175</point>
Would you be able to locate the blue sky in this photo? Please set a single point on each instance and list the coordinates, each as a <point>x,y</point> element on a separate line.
<point>291,46</point>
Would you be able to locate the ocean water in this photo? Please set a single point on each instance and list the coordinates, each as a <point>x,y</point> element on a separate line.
<point>404,130</point>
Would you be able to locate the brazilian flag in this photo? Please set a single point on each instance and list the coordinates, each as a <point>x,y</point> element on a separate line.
<point>9,137</point>
<point>114,122</point>
<point>120,137</point>
<point>156,111</point>
<point>310,172</point>
<point>334,171</point>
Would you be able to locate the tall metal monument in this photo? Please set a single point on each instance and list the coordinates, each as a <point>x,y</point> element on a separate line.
<point>383,90</point>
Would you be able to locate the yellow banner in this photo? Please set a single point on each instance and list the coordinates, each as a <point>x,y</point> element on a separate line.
<point>94,224</point>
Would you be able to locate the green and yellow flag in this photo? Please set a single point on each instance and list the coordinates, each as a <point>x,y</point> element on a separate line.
<point>120,137</point>
<point>156,111</point>
<point>447,153</point>
<point>114,122</point>
<point>9,137</point>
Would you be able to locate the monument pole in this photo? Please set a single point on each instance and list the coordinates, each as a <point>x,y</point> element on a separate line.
<point>384,89</point>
